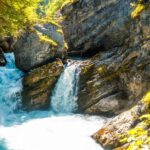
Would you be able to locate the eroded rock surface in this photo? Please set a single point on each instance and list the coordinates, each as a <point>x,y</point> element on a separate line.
<point>38,85</point>
<point>117,77</point>
<point>110,135</point>
<point>114,81</point>
<point>96,25</point>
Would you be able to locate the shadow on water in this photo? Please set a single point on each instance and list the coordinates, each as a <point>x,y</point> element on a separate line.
<point>19,117</point>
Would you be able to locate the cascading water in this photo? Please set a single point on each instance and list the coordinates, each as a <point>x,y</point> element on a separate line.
<point>64,96</point>
<point>10,87</point>
<point>44,130</point>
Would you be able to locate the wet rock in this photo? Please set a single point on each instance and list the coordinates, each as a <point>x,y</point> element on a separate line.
<point>35,48</point>
<point>38,85</point>
<point>7,43</point>
<point>4,45</point>
<point>2,58</point>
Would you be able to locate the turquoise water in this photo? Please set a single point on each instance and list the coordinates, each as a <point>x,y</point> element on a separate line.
<point>57,128</point>
<point>10,89</point>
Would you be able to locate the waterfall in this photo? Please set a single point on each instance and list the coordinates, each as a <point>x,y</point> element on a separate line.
<point>10,87</point>
<point>44,130</point>
<point>64,97</point>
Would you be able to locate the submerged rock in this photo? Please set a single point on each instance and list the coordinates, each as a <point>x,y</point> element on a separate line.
<point>38,84</point>
<point>37,47</point>
<point>2,58</point>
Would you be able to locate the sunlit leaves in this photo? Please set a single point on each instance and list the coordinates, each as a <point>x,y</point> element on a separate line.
<point>147,98</point>
<point>16,15</point>
<point>56,5</point>
<point>139,8</point>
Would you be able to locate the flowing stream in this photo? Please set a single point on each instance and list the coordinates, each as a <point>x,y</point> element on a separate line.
<point>56,129</point>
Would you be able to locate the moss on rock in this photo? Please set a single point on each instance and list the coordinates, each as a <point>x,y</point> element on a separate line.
<point>38,85</point>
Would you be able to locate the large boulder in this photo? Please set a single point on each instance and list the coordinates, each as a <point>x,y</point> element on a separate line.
<point>38,46</point>
<point>38,85</point>
<point>91,26</point>
<point>2,58</point>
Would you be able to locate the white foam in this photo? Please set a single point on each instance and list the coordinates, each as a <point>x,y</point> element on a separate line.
<point>54,133</point>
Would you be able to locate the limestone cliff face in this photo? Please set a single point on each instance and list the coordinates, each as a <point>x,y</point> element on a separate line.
<point>118,76</point>
<point>96,25</point>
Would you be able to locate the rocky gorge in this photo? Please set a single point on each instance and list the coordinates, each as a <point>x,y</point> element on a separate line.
<point>114,76</point>
<point>117,77</point>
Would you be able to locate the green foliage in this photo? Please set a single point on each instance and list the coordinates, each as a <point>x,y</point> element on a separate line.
<point>16,15</point>
<point>56,5</point>
<point>146,99</point>
<point>139,8</point>
<point>101,69</point>
<point>137,137</point>
<point>146,119</point>
<point>47,39</point>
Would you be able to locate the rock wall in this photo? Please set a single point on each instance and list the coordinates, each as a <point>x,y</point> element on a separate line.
<point>7,43</point>
<point>118,76</point>
<point>96,25</point>
<point>39,52</point>
<point>114,80</point>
